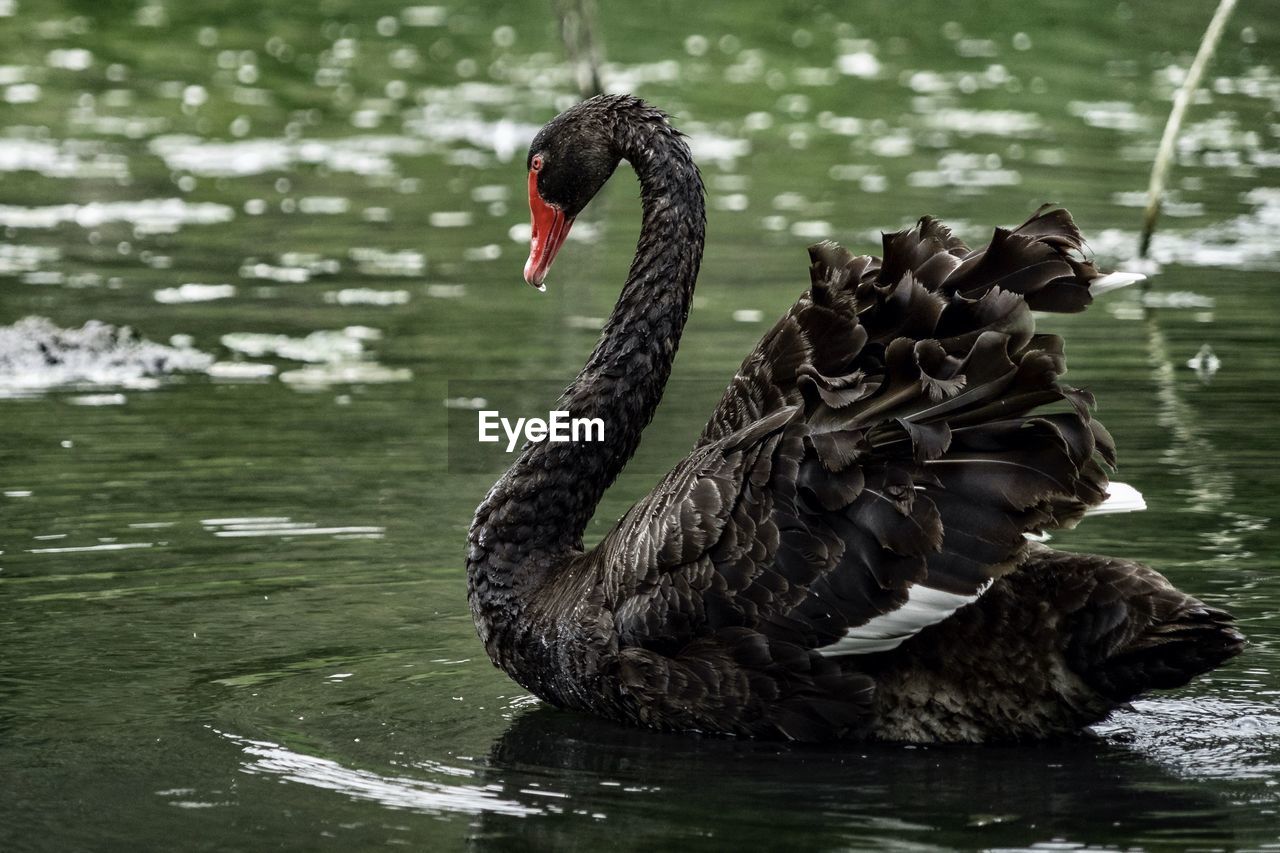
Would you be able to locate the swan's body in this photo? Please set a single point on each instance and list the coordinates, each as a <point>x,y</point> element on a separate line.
<point>843,553</point>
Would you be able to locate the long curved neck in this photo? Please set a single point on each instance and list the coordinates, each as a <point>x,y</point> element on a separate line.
<point>623,380</point>
<point>535,515</point>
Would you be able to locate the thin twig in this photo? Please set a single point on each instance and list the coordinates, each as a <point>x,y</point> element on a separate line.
<point>1181,100</point>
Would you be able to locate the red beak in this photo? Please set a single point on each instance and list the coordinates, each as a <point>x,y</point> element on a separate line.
<point>550,227</point>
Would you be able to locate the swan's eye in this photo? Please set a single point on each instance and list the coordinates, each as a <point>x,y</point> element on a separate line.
<point>536,163</point>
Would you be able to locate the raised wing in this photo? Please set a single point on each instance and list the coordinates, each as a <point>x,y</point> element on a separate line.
<point>878,458</point>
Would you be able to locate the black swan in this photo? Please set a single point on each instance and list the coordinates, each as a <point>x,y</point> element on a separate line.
<point>845,551</point>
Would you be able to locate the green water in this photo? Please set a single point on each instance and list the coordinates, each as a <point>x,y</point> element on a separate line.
<point>232,611</point>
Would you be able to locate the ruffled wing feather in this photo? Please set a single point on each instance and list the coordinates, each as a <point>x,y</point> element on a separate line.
<point>876,461</point>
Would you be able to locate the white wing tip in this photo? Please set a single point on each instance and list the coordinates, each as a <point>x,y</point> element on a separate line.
<point>1121,497</point>
<point>1114,281</point>
<point>924,607</point>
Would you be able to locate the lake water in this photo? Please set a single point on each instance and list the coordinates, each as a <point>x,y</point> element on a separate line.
<point>232,604</point>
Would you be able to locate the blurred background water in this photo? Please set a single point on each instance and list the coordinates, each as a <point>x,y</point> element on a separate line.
<point>232,604</point>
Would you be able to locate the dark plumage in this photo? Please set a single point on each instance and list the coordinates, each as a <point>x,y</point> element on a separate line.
<point>842,554</point>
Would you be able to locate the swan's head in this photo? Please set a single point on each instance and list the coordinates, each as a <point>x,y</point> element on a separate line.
<point>569,161</point>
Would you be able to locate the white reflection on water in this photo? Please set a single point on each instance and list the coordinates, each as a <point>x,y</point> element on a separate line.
<point>449,218</point>
<point>1246,241</point>
<point>448,122</point>
<point>294,267</point>
<point>98,400</point>
<point>336,357</point>
<point>858,60</point>
<point>241,371</point>
<point>361,155</point>
<point>16,259</point>
<point>319,347</point>
<point>150,216</point>
<point>324,205</point>
<point>366,296</point>
<point>77,549</point>
<point>1205,363</point>
<point>264,758</point>
<point>424,16</point>
<point>83,159</point>
<point>22,93</point>
<point>194,292</point>
<point>85,118</point>
<point>1111,115</point>
<point>239,528</point>
<point>928,82</point>
<point>708,146</point>
<point>1203,736</point>
<point>992,122</point>
<point>1171,205</point>
<point>322,376</point>
<point>968,172</point>
<point>35,355</point>
<point>382,262</point>
<point>1221,142</point>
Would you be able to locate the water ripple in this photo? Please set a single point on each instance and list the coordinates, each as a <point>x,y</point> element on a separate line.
<point>264,758</point>
<point>1205,736</point>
